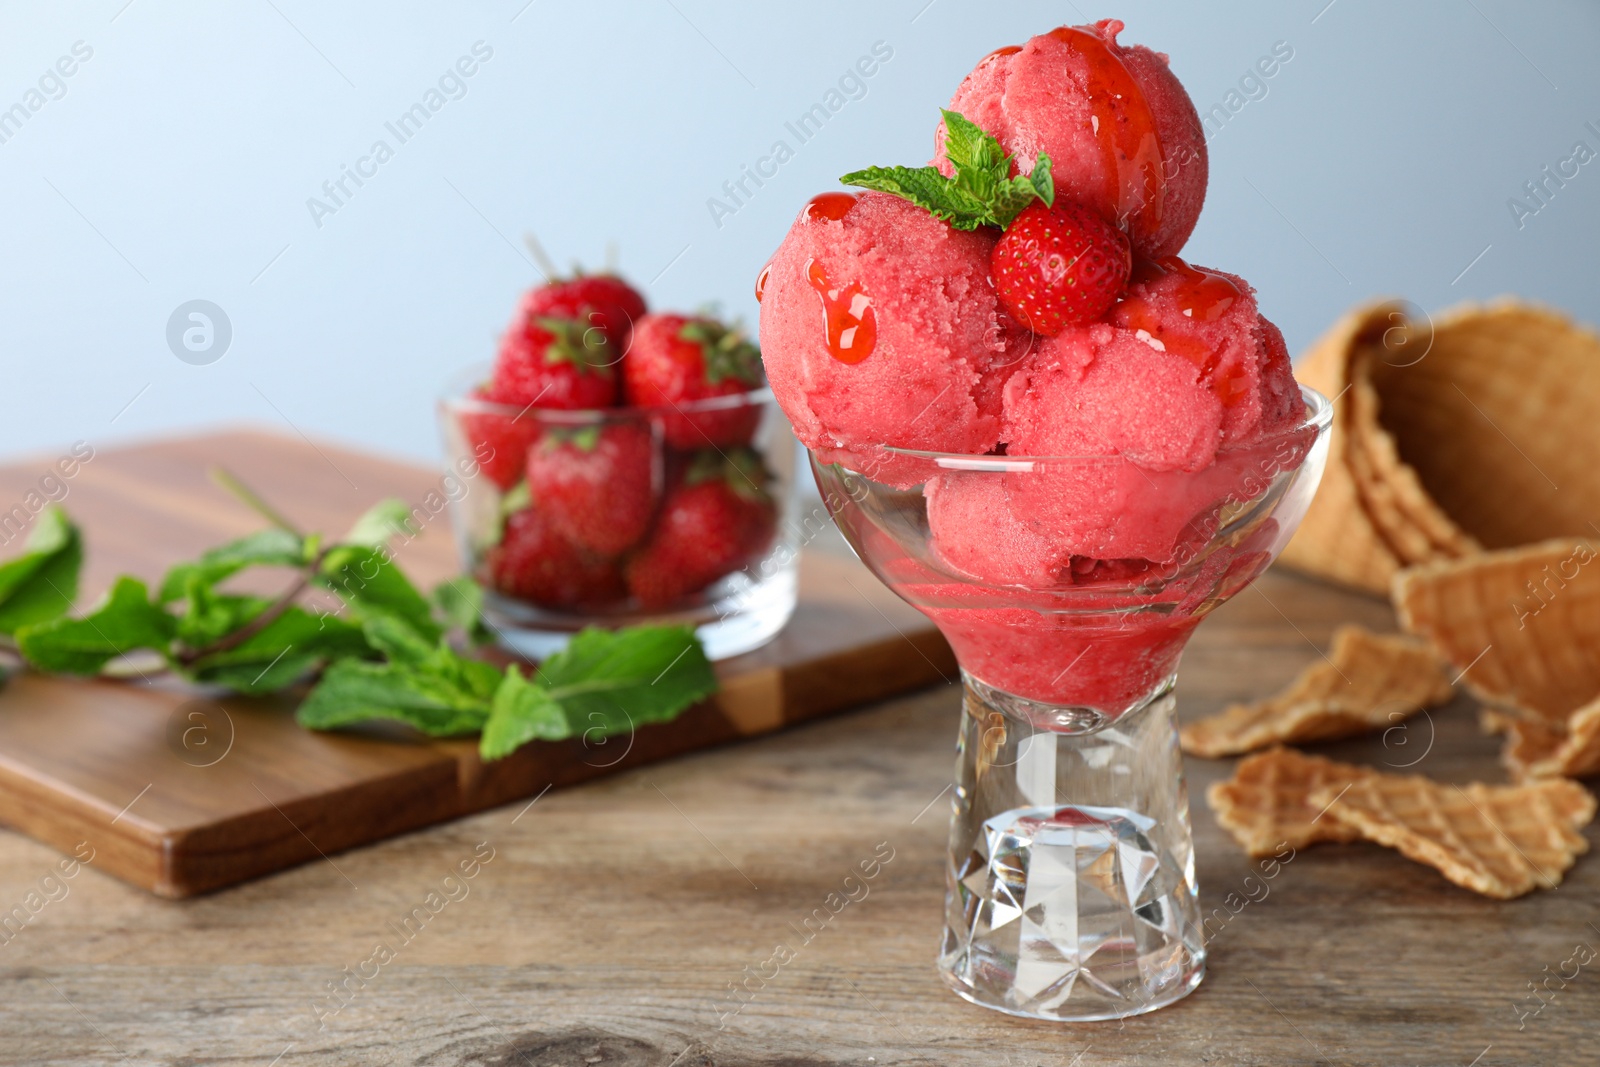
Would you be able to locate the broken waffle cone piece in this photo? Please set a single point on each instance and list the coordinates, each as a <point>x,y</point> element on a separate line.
<point>1501,841</point>
<point>1535,749</point>
<point>1370,682</point>
<point>1522,624</point>
<point>1266,804</point>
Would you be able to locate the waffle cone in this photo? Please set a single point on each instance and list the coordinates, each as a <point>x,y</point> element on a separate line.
<point>1402,513</point>
<point>1454,432</point>
<point>1501,841</point>
<point>1267,803</point>
<point>1496,420</point>
<point>1337,540</point>
<point>1369,682</point>
<point>1522,624</point>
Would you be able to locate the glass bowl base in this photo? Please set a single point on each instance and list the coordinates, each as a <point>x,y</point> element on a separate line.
<point>1071,887</point>
<point>986,998</point>
<point>744,617</point>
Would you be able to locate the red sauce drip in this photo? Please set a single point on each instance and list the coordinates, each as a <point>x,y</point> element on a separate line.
<point>1125,127</point>
<point>1202,296</point>
<point>831,206</point>
<point>761,282</point>
<point>850,323</point>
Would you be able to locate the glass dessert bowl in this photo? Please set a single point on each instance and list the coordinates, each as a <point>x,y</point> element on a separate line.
<point>1071,884</point>
<point>620,516</point>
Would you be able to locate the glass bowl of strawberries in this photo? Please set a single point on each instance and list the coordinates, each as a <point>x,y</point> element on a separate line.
<point>622,467</point>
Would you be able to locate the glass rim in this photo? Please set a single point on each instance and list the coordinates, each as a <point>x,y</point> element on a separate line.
<point>1318,417</point>
<point>457,396</point>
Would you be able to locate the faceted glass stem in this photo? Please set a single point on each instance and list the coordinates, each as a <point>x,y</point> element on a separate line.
<point>1071,875</point>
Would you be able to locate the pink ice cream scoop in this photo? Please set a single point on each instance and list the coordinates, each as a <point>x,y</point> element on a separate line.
<point>880,326</point>
<point>1169,395</point>
<point>976,535</point>
<point>1121,133</point>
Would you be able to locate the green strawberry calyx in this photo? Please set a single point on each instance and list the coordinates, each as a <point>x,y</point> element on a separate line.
<point>727,353</point>
<point>583,438</point>
<point>585,347</point>
<point>982,191</point>
<point>740,469</point>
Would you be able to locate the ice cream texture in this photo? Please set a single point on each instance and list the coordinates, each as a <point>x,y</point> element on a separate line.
<point>1118,444</point>
<point>886,329</point>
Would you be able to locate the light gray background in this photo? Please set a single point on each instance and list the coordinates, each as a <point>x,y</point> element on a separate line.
<point>178,163</point>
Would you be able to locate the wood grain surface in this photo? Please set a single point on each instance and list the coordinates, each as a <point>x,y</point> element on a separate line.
<point>191,793</point>
<point>613,917</point>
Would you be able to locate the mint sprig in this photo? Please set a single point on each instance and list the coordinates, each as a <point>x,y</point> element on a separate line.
<point>387,655</point>
<point>39,584</point>
<point>982,191</point>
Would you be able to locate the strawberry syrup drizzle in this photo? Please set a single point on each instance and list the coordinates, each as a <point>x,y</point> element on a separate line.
<point>1202,296</point>
<point>1125,127</point>
<point>830,206</point>
<point>850,323</point>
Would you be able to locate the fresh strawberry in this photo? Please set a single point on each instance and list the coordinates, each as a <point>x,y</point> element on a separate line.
<point>677,360</point>
<point>600,300</point>
<point>1059,266</point>
<point>534,562</point>
<point>596,483</point>
<point>720,519</point>
<point>499,439</point>
<point>556,363</point>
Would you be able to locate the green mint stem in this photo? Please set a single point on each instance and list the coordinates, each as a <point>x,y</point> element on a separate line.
<point>253,500</point>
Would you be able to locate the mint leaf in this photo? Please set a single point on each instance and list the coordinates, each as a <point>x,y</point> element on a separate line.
<point>380,523</point>
<point>209,615</point>
<point>602,683</point>
<point>611,681</point>
<point>927,188</point>
<point>40,584</point>
<point>459,601</point>
<point>521,712</point>
<point>1042,179</point>
<point>272,547</point>
<point>970,149</point>
<point>370,582</point>
<point>398,641</point>
<point>123,621</point>
<point>981,192</point>
<point>281,652</point>
<point>353,691</point>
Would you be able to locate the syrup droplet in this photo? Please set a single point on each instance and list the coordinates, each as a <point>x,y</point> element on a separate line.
<point>1123,123</point>
<point>1202,296</point>
<point>849,321</point>
<point>831,206</point>
<point>761,282</point>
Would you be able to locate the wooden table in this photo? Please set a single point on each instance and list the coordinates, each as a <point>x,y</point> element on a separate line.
<point>613,917</point>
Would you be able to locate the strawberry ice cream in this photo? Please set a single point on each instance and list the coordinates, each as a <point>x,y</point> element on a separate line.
<point>1119,129</point>
<point>1183,376</point>
<point>879,326</point>
<point>1021,301</point>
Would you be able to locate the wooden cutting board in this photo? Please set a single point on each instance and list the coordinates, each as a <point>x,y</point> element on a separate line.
<point>183,793</point>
